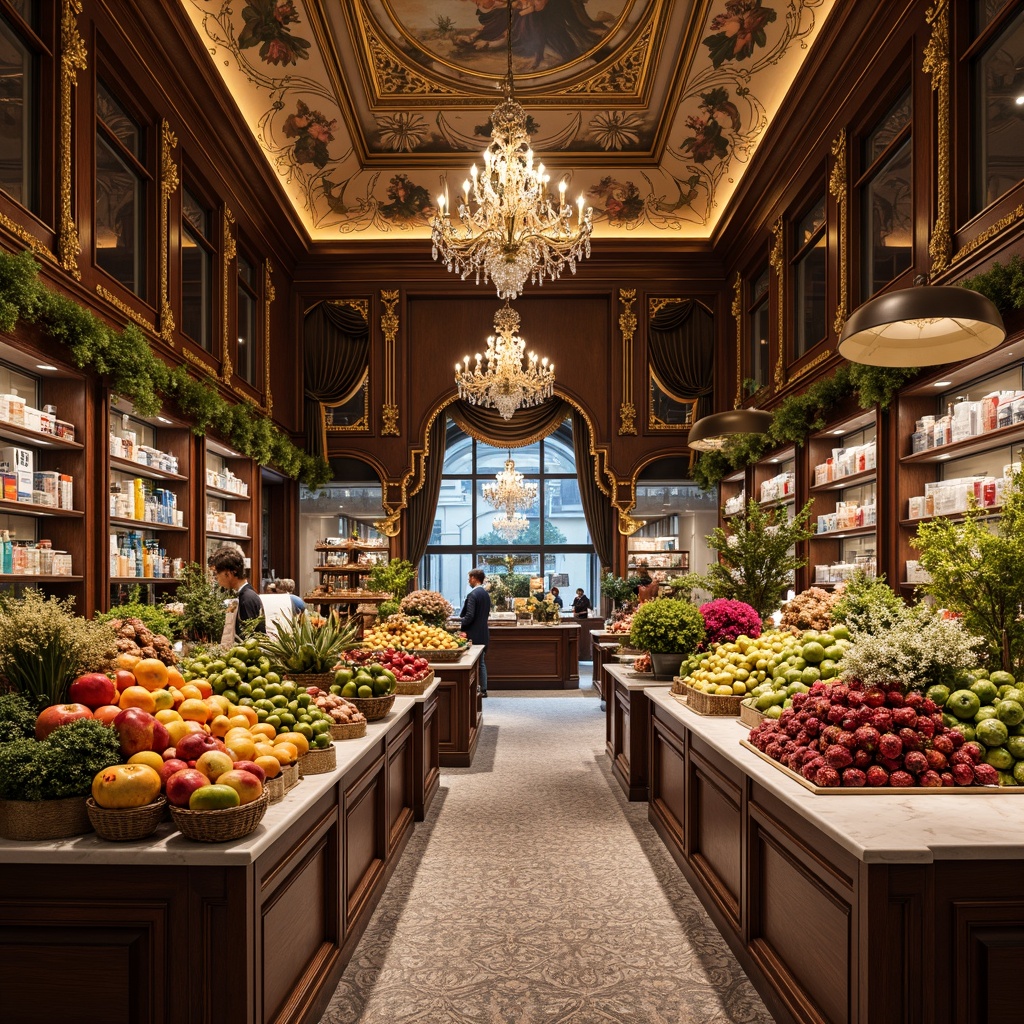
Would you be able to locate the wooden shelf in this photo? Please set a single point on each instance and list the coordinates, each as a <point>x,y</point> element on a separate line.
<point>216,492</point>
<point>339,599</point>
<point>969,446</point>
<point>351,546</point>
<point>989,513</point>
<point>340,570</point>
<point>147,472</point>
<point>144,579</point>
<point>10,577</point>
<point>26,508</point>
<point>855,531</point>
<point>228,536</point>
<point>851,480</point>
<point>789,499</point>
<point>21,435</point>
<point>143,524</point>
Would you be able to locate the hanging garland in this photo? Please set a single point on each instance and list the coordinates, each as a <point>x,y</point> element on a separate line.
<point>136,374</point>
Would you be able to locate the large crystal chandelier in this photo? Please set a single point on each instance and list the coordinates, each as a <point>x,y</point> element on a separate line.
<point>510,491</point>
<point>499,379</point>
<point>510,525</point>
<point>507,226</point>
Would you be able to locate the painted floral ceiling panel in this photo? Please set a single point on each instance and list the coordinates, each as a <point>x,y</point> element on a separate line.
<point>367,109</point>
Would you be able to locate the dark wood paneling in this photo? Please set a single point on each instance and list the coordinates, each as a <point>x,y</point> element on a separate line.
<point>401,765</point>
<point>533,657</point>
<point>666,785</point>
<point>364,839</point>
<point>716,825</point>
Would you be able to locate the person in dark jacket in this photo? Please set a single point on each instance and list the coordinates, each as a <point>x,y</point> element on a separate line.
<point>581,604</point>
<point>475,611</point>
<point>228,567</point>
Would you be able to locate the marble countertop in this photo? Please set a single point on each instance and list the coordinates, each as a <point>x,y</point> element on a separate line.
<point>894,826</point>
<point>467,659</point>
<point>630,680</point>
<point>168,846</point>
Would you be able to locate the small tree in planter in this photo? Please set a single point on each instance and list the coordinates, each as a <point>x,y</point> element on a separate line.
<point>619,590</point>
<point>669,630</point>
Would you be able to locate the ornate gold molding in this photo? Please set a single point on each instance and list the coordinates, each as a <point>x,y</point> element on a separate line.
<point>777,264</point>
<point>937,63</point>
<point>126,309</point>
<point>201,363</point>
<point>807,367</point>
<point>269,294</point>
<point>73,58</point>
<point>990,232</point>
<point>622,77</point>
<point>628,525</point>
<point>627,327</point>
<point>361,306</point>
<point>26,236</point>
<point>169,181</point>
<point>838,186</point>
<point>389,328</point>
<point>737,312</point>
<point>390,527</point>
<point>228,252</point>
<point>393,76</point>
<point>655,306</point>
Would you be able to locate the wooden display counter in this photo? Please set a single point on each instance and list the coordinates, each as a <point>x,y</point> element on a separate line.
<point>877,908</point>
<point>259,930</point>
<point>627,711</point>
<point>592,624</point>
<point>458,708</point>
<point>602,649</point>
<point>534,657</point>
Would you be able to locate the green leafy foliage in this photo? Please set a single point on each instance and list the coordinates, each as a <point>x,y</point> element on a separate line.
<point>619,589</point>
<point>1003,284</point>
<point>17,717</point>
<point>202,604</point>
<point>156,619</point>
<point>666,625</point>
<point>305,645</point>
<point>868,604</point>
<point>391,577</point>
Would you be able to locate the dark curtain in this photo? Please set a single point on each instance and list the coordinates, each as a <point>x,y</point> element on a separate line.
<point>597,508</point>
<point>422,506</point>
<point>525,427</point>
<point>681,348</point>
<point>336,354</point>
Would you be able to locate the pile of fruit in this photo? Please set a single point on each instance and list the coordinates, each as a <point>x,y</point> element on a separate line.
<point>845,735</point>
<point>406,666</point>
<point>623,625</point>
<point>136,640</point>
<point>369,680</point>
<point>401,631</point>
<point>334,705</point>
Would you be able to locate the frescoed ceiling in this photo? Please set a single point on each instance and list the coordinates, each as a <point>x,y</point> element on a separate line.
<point>366,109</point>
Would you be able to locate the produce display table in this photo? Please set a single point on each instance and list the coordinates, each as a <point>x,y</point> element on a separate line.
<point>588,626</point>
<point>458,708</point>
<point>167,930</point>
<point>626,713</point>
<point>863,908</point>
<point>534,657</point>
<point>603,651</point>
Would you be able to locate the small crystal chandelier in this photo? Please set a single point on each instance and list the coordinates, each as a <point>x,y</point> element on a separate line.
<point>509,491</point>
<point>499,379</point>
<point>513,230</point>
<point>510,525</point>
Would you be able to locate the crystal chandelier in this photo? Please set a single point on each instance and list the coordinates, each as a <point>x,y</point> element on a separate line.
<point>499,379</point>
<point>507,226</point>
<point>510,525</point>
<point>509,491</point>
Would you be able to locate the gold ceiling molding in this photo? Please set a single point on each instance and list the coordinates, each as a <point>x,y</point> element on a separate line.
<point>393,77</point>
<point>361,306</point>
<point>228,254</point>
<point>169,181</point>
<point>990,232</point>
<point>627,325</point>
<point>26,236</point>
<point>838,186</point>
<point>389,328</point>
<point>737,312</point>
<point>937,63</point>
<point>777,263</point>
<point>269,294</point>
<point>807,367</point>
<point>73,58</point>
<point>132,314</point>
<point>201,363</point>
<point>622,77</point>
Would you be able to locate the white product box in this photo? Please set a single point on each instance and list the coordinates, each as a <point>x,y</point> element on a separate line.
<point>12,409</point>
<point>22,463</point>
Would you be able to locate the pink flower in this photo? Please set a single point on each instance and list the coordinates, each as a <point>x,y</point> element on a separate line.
<point>276,52</point>
<point>724,620</point>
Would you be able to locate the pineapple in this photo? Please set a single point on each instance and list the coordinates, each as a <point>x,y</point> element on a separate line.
<point>302,646</point>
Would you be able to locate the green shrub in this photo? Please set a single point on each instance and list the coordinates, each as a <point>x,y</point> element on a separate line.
<point>666,626</point>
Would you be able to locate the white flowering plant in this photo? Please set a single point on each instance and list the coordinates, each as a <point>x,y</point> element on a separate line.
<point>429,605</point>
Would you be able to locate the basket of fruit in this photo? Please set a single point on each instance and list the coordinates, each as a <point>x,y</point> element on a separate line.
<point>290,774</point>
<point>369,687</point>
<point>374,708</point>
<point>749,715</point>
<point>318,762</point>
<point>307,649</point>
<point>275,789</point>
<point>425,641</point>
<point>414,687</point>
<point>219,824</point>
<point>122,824</point>
<point>347,722</point>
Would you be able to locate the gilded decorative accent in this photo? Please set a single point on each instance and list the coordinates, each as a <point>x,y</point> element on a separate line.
<point>269,294</point>
<point>937,64</point>
<point>126,309</point>
<point>389,327</point>
<point>229,251</point>
<point>628,525</point>
<point>390,527</point>
<point>807,367</point>
<point>737,312</point>
<point>395,78</point>
<point>361,306</point>
<point>990,232</point>
<point>655,306</point>
<point>624,76</point>
<point>838,186</point>
<point>168,186</point>
<point>627,326</point>
<point>201,363</point>
<point>28,238</point>
<point>654,422</point>
<point>73,58</point>
<point>362,424</point>
<point>775,259</point>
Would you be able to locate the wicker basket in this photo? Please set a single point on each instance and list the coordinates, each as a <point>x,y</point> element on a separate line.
<point>679,685</point>
<point>275,788</point>
<point>416,688</point>
<point>318,762</point>
<point>304,679</point>
<point>350,731</point>
<point>122,824</point>
<point>29,820</point>
<point>712,704</point>
<point>290,774</point>
<point>220,826</point>
<point>750,717</point>
<point>373,708</point>
<point>436,657</point>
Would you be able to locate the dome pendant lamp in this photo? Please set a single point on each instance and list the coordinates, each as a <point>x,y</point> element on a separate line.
<point>922,326</point>
<point>710,433</point>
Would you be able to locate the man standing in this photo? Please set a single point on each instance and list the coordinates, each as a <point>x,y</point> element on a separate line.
<point>474,615</point>
<point>229,571</point>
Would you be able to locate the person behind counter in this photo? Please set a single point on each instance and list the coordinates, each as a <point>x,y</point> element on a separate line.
<point>555,597</point>
<point>228,567</point>
<point>581,604</point>
<point>473,618</point>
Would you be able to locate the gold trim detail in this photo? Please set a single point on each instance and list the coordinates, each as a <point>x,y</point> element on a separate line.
<point>807,367</point>
<point>73,58</point>
<point>627,326</point>
<point>126,309</point>
<point>361,306</point>
<point>737,312</point>
<point>269,294</point>
<point>201,363</point>
<point>395,78</point>
<point>621,77</point>
<point>628,525</point>
<point>775,260</point>
<point>389,328</point>
<point>990,232</point>
<point>229,251</point>
<point>169,181</point>
<point>655,306</point>
<point>390,527</point>
<point>937,63</point>
<point>838,186</point>
<point>28,238</point>
<point>653,422</point>
<point>363,423</point>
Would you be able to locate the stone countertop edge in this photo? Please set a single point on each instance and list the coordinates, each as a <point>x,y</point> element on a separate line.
<point>626,677</point>
<point>167,846</point>
<point>882,828</point>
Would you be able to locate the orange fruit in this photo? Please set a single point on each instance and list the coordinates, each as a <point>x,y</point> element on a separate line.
<point>296,739</point>
<point>220,725</point>
<point>163,699</point>
<point>263,729</point>
<point>107,713</point>
<point>239,722</point>
<point>286,753</point>
<point>270,765</point>
<point>192,709</point>
<point>219,701</point>
<point>174,677</point>
<point>137,697</point>
<point>214,763</point>
<point>191,692</point>
<point>166,716</point>
<point>151,673</point>
<point>241,746</point>
<point>150,757</point>
<point>205,687</point>
<point>177,729</point>
<point>264,750</point>
<point>127,661</point>
<point>247,713</point>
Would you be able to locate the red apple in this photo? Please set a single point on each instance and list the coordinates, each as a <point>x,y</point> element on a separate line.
<point>94,689</point>
<point>193,745</point>
<point>57,715</point>
<point>252,768</point>
<point>123,679</point>
<point>247,786</point>
<point>182,784</point>
<point>169,767</point>
<point>138,730</point>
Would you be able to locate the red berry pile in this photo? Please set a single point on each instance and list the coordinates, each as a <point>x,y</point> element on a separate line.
<point>846,735</point>
<point>407,667</point>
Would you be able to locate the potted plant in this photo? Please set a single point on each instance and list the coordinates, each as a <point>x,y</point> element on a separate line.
<point>433,608</point>
<point>669,630</point>
<point>391,577</point>
<point>619,590</point>
<point>202,605</point>
<point>305,648</point>
<point>544,611</point>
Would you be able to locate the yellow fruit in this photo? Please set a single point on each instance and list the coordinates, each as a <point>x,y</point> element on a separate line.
<point>163,700</point>
<point>168,716</point>
<point>297,740</point>
<point>270,765</point>
<point>150,757</point>
<point>193,709</point>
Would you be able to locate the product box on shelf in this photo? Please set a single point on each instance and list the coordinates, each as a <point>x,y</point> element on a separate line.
<point>12,409</point>
<point>966,420</point>
<point>20,462</point>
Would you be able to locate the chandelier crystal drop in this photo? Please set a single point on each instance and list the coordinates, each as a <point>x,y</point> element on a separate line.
<point>510,525</point>
<point>510,492</point>
<point>500,380</point>
<point>507,226</point>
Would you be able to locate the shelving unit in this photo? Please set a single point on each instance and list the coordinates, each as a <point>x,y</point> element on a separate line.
<point>733,493</point>
<point>656,547</point>
<point>224,504</point>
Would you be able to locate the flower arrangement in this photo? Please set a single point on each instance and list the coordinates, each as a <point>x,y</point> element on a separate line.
<point>666,626</point>
<point>429,605</point>
<point>544,609</point>
<point>810,609</point>
<point>724,620</point>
